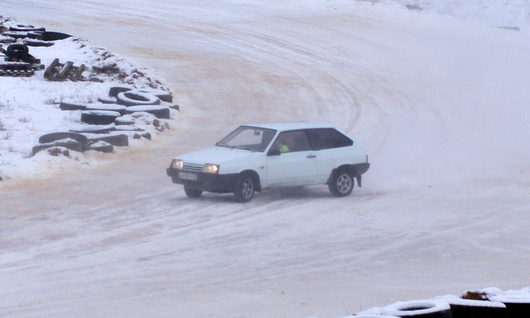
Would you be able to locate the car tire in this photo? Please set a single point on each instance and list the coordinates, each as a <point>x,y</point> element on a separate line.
<point>341,183</point>
<point>244,188</point>
<point>192,192</point>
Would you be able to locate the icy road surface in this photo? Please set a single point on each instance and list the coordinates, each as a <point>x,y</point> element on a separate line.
<point>442,106</point>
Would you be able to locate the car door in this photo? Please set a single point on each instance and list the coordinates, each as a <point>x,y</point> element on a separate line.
<point>330,147</point>
<point>291,161</point>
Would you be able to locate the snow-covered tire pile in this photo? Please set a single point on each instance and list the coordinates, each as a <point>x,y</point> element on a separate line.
<point>487,303</point>
<point>129,106</point>
<point>114,123</point>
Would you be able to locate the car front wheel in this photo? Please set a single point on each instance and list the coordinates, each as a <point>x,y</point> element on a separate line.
<point>244,188</point>
<point>192,192</point>
<point>341,183</point>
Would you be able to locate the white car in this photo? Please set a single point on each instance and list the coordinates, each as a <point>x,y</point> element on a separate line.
<point>254,157</point>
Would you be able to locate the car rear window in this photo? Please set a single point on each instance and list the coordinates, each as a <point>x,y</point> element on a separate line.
<point>327,138</point>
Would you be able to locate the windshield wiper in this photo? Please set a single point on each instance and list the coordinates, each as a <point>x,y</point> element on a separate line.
<point>240,147</point>
<point>233,147</point>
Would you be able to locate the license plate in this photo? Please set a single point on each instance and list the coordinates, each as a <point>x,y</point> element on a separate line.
<point>188,176</point>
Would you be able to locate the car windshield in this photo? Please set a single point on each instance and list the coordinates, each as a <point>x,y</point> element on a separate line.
<point>248,138</point>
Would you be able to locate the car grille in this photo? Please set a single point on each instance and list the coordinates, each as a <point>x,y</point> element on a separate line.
<point>192,167</point>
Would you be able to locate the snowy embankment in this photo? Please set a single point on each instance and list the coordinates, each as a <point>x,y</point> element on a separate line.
<point>29,106</point>
<point>512,15</point>
<point>441,104</point>
<point>487,302</point>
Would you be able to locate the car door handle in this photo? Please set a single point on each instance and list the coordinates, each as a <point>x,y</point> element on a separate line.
<point>311,156</point>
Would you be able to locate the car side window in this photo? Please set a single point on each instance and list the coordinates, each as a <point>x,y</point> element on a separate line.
<point>292,141</point>
<point>327,138</point>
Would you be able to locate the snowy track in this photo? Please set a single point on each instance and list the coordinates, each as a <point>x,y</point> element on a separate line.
<point>441,105</point>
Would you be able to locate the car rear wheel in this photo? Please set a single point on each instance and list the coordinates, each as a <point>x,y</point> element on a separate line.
<point>341,183</point>
<point>192,192</point>
<point>244,189</point>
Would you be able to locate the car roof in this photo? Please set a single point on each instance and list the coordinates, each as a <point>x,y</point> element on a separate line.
<point>292,125</point>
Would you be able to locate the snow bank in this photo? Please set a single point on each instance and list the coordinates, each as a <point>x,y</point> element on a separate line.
<point>29,105</point>
<point>513,14</point>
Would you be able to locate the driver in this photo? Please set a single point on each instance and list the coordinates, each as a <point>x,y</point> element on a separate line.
<point>286,143</point>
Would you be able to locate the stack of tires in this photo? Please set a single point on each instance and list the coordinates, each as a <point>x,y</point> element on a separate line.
<point>124,101</point>
<point>34,36</point>
<point>502,305</point>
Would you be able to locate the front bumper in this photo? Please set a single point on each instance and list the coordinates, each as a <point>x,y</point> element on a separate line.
<point>220,183</point>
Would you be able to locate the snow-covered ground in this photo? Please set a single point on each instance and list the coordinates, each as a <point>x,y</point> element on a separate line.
<point>509,14</point>
<point>441,104</point>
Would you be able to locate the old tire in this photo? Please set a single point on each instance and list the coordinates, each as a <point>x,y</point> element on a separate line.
<point>38,43</point>
<point>53,36</point>
<point>517,305</point>
<point>107,100</point>
<point>64,143</point>
<point>106,107</point>
<point>159,111</point>
<point>26,28</point>
<point>136,98</point>
<point>162,94</point>
<point>17,51</point>
<point>341,183</point>
<point>192,192</point>
<point>115,90</point>
<point>101,146</point>
<point>71,106</point>
<point>16,34</point>
<point>52,137</point>
<point>116,139</point>
<point>99,117</point>
<point>92,129</point>
<point>419,309</point>
<point>244,188</point>
<point>465,308</point>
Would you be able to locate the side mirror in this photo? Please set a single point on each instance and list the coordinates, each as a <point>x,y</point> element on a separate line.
<point>274,152</point>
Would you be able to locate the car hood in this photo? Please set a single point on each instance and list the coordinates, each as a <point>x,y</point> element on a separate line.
<point>215,155</point>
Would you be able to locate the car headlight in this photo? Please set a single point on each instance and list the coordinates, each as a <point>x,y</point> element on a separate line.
<point>210,168</point>
<point>177,164</point>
